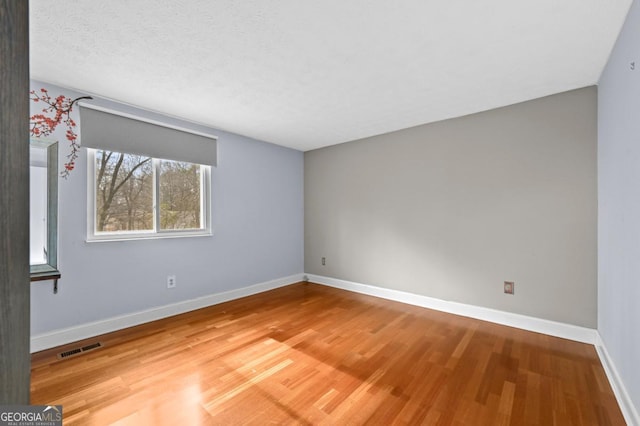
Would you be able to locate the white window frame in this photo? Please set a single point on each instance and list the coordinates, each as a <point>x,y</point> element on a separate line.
<point>205,211</point>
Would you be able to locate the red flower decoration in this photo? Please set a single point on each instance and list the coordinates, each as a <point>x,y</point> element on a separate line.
<point>43,125</point>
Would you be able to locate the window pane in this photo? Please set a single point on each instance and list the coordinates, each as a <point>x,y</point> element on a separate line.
<point>38,214</point>
<point>124,192</point>
<point>180,201</point>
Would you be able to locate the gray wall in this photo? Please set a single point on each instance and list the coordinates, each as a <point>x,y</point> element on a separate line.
<point>257,196</point>
<point>15,362</point>
<point>619,205</point>
<point>453,209</point>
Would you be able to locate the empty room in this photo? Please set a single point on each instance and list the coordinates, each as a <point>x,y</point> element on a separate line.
<point>295,212</point>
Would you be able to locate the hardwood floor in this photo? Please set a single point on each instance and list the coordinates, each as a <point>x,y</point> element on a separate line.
<point>310,354</point>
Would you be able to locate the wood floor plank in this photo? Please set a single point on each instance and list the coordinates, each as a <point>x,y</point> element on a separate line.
<point>310,354</point>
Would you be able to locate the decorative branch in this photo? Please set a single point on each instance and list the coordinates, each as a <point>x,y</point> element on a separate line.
<point>58,110</point>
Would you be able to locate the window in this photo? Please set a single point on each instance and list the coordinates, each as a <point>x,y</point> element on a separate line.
<point>139,196</point>
<point>135,196</point>
<point>147,179</point>
<point>43,211</point>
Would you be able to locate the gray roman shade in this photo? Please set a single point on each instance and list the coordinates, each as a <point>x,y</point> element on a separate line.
<point>113,132</point>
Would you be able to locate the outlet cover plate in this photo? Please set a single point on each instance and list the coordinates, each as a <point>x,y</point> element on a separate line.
<point>509,287</point>
<point>171,281</point>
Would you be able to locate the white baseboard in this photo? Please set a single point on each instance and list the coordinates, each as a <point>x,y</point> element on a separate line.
<point>629,411</point>
<point>72,334</point>
<point>538,325</point>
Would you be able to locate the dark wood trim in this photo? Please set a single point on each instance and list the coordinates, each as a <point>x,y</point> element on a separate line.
<point>45,276</point>
<point>14,203</point>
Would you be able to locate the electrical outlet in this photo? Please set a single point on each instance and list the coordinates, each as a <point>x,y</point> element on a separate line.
<point>171,281</point>
<point>509,287</point>
<point>324,261</point>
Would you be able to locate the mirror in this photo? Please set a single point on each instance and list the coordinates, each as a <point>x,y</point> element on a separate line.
<point>43,243</point>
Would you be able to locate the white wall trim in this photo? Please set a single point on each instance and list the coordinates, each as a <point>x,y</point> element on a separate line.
<point>629,411</point>
<point>67,335</point>
<point>538,325</point>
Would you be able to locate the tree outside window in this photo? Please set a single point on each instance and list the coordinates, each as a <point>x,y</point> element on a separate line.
<point>128,186</point>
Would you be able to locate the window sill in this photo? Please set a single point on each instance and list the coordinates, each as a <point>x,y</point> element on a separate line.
<point>44,272</point>
<point>154,236</point>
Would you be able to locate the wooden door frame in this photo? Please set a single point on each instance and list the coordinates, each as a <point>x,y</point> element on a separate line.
<point>15,359</point>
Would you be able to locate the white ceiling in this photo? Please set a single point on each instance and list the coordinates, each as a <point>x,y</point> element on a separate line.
<point>307,74</point>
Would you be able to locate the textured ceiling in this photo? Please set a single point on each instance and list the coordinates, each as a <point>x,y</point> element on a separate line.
<point>307,74</point>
